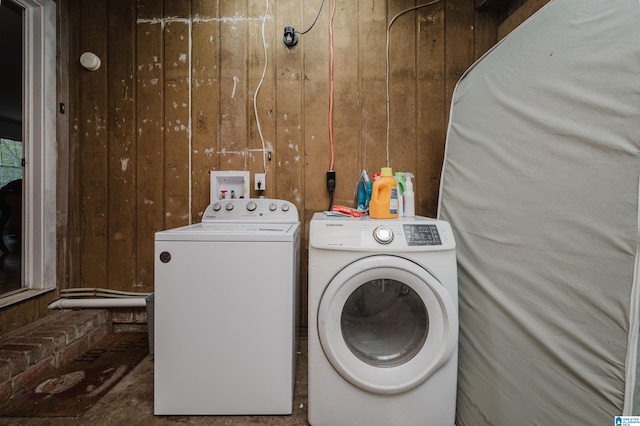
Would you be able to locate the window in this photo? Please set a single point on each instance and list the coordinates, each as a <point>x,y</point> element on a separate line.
<point>10,161</point>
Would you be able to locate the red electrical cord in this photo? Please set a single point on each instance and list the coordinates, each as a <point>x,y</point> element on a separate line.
<point>333,12</point>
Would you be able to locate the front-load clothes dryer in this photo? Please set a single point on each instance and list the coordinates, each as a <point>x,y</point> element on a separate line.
<point>383,322</point>
<point>225,311</point>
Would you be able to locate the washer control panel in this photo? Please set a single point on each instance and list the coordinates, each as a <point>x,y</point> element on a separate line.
<point>251,210</point>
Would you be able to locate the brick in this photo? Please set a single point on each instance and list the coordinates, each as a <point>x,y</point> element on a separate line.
<point>123,316</point>
<point>81,330</point>
<point>18,361</point>
<point>31,351</point>
<point>99,317</point>
<point>98,334</point>
<point>44,344</point>
<point>5,370</point>
<point>72,351</point>
<point>130,328</point>
<point>33,373</point>
<point>6,390</point>
<point>58,338</point>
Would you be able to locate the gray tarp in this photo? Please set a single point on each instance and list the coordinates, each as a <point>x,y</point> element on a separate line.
<point>540,184</point>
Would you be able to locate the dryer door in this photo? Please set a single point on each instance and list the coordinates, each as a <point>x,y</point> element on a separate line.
<point>386,324</point>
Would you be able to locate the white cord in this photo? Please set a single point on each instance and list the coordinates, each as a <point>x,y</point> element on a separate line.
<point>387,65</point>
<point>255,95</point>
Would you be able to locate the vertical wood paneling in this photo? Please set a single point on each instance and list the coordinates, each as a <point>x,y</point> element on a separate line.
<point>289,149</point>
<point>205,105</point>
<point>174,100</point>
<point>372,74</point>
<point>149,120</point>
<point>484,33</point>
<point>402,86</point>
<point>314,46</point>
<point>63,183</point>
<point>121,238</point>
<point>459,52</point>
<point>93,151</point>
<point>73,241</point>
<point>431,108</point>
<point>234,100</point>
<point>265,101</point>
<point>177,106</point>
<point>346,123</point>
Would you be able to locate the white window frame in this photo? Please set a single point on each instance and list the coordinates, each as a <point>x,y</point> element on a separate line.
<point>39,141</point>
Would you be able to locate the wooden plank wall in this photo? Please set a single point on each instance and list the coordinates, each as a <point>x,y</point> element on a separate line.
<point>519,12</point>
<point>173,100</point>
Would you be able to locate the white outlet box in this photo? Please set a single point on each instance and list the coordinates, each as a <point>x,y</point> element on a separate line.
<point>260,181</point>
<point>227,181</point>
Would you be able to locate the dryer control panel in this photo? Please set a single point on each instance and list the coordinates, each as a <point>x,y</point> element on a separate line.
<point>422,235</point>
<point>405,234</point>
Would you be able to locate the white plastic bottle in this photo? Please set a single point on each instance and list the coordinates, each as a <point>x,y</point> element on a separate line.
<point>409,196</point>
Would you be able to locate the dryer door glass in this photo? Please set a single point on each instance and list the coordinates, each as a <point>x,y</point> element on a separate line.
<point>384,323</point>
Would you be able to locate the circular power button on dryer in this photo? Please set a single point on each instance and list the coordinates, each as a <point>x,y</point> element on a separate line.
<point>251,206</point>
<point>383,234</point>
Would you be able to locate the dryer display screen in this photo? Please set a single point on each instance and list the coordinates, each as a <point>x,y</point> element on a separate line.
<point>422,235</point>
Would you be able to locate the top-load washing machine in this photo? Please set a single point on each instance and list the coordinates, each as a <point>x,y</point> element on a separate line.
<point>225,311</point>
<point>383,322</point>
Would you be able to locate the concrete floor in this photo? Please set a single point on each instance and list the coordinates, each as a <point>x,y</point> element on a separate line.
<point>130,403</point>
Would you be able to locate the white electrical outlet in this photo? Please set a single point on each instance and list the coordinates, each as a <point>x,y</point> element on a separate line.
<point>260,181</point>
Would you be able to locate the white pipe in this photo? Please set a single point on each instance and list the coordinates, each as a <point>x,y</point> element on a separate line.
<point>100,291</point>
<point>132,302</point>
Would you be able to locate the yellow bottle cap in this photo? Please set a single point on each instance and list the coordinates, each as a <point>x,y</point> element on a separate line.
<point>386,171</point>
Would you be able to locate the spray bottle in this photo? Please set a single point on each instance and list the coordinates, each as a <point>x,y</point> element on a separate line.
<point>399,177</point>
<point>409,196</point>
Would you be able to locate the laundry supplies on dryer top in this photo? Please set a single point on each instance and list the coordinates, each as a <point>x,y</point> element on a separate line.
<point>225,311</point>
<point>383,321</point>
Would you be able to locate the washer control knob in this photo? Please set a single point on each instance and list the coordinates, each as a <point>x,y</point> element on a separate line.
<point>285,207</point>
<point>229,207</point>
<point>217,207</point>
<point>273,207</point>
<point>383,234</point>
<point>251,206</point>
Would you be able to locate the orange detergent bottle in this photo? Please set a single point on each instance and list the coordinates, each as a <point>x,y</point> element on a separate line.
<point>384,196</point>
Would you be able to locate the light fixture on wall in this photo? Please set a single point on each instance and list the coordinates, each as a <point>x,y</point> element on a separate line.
<point>90,61</point>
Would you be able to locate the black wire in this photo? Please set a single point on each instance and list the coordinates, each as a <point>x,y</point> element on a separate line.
<point>330,201</point>
<point>314,21</point>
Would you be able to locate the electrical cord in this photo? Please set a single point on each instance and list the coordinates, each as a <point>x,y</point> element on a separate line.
<point>331,61</point>
<point>387,65</point>
<point>255,95</point>
<point>314,21</point>
<point>331,174</point>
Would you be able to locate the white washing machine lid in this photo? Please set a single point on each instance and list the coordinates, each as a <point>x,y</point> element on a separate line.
<point>435,350</point>
<point>226,231</point>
